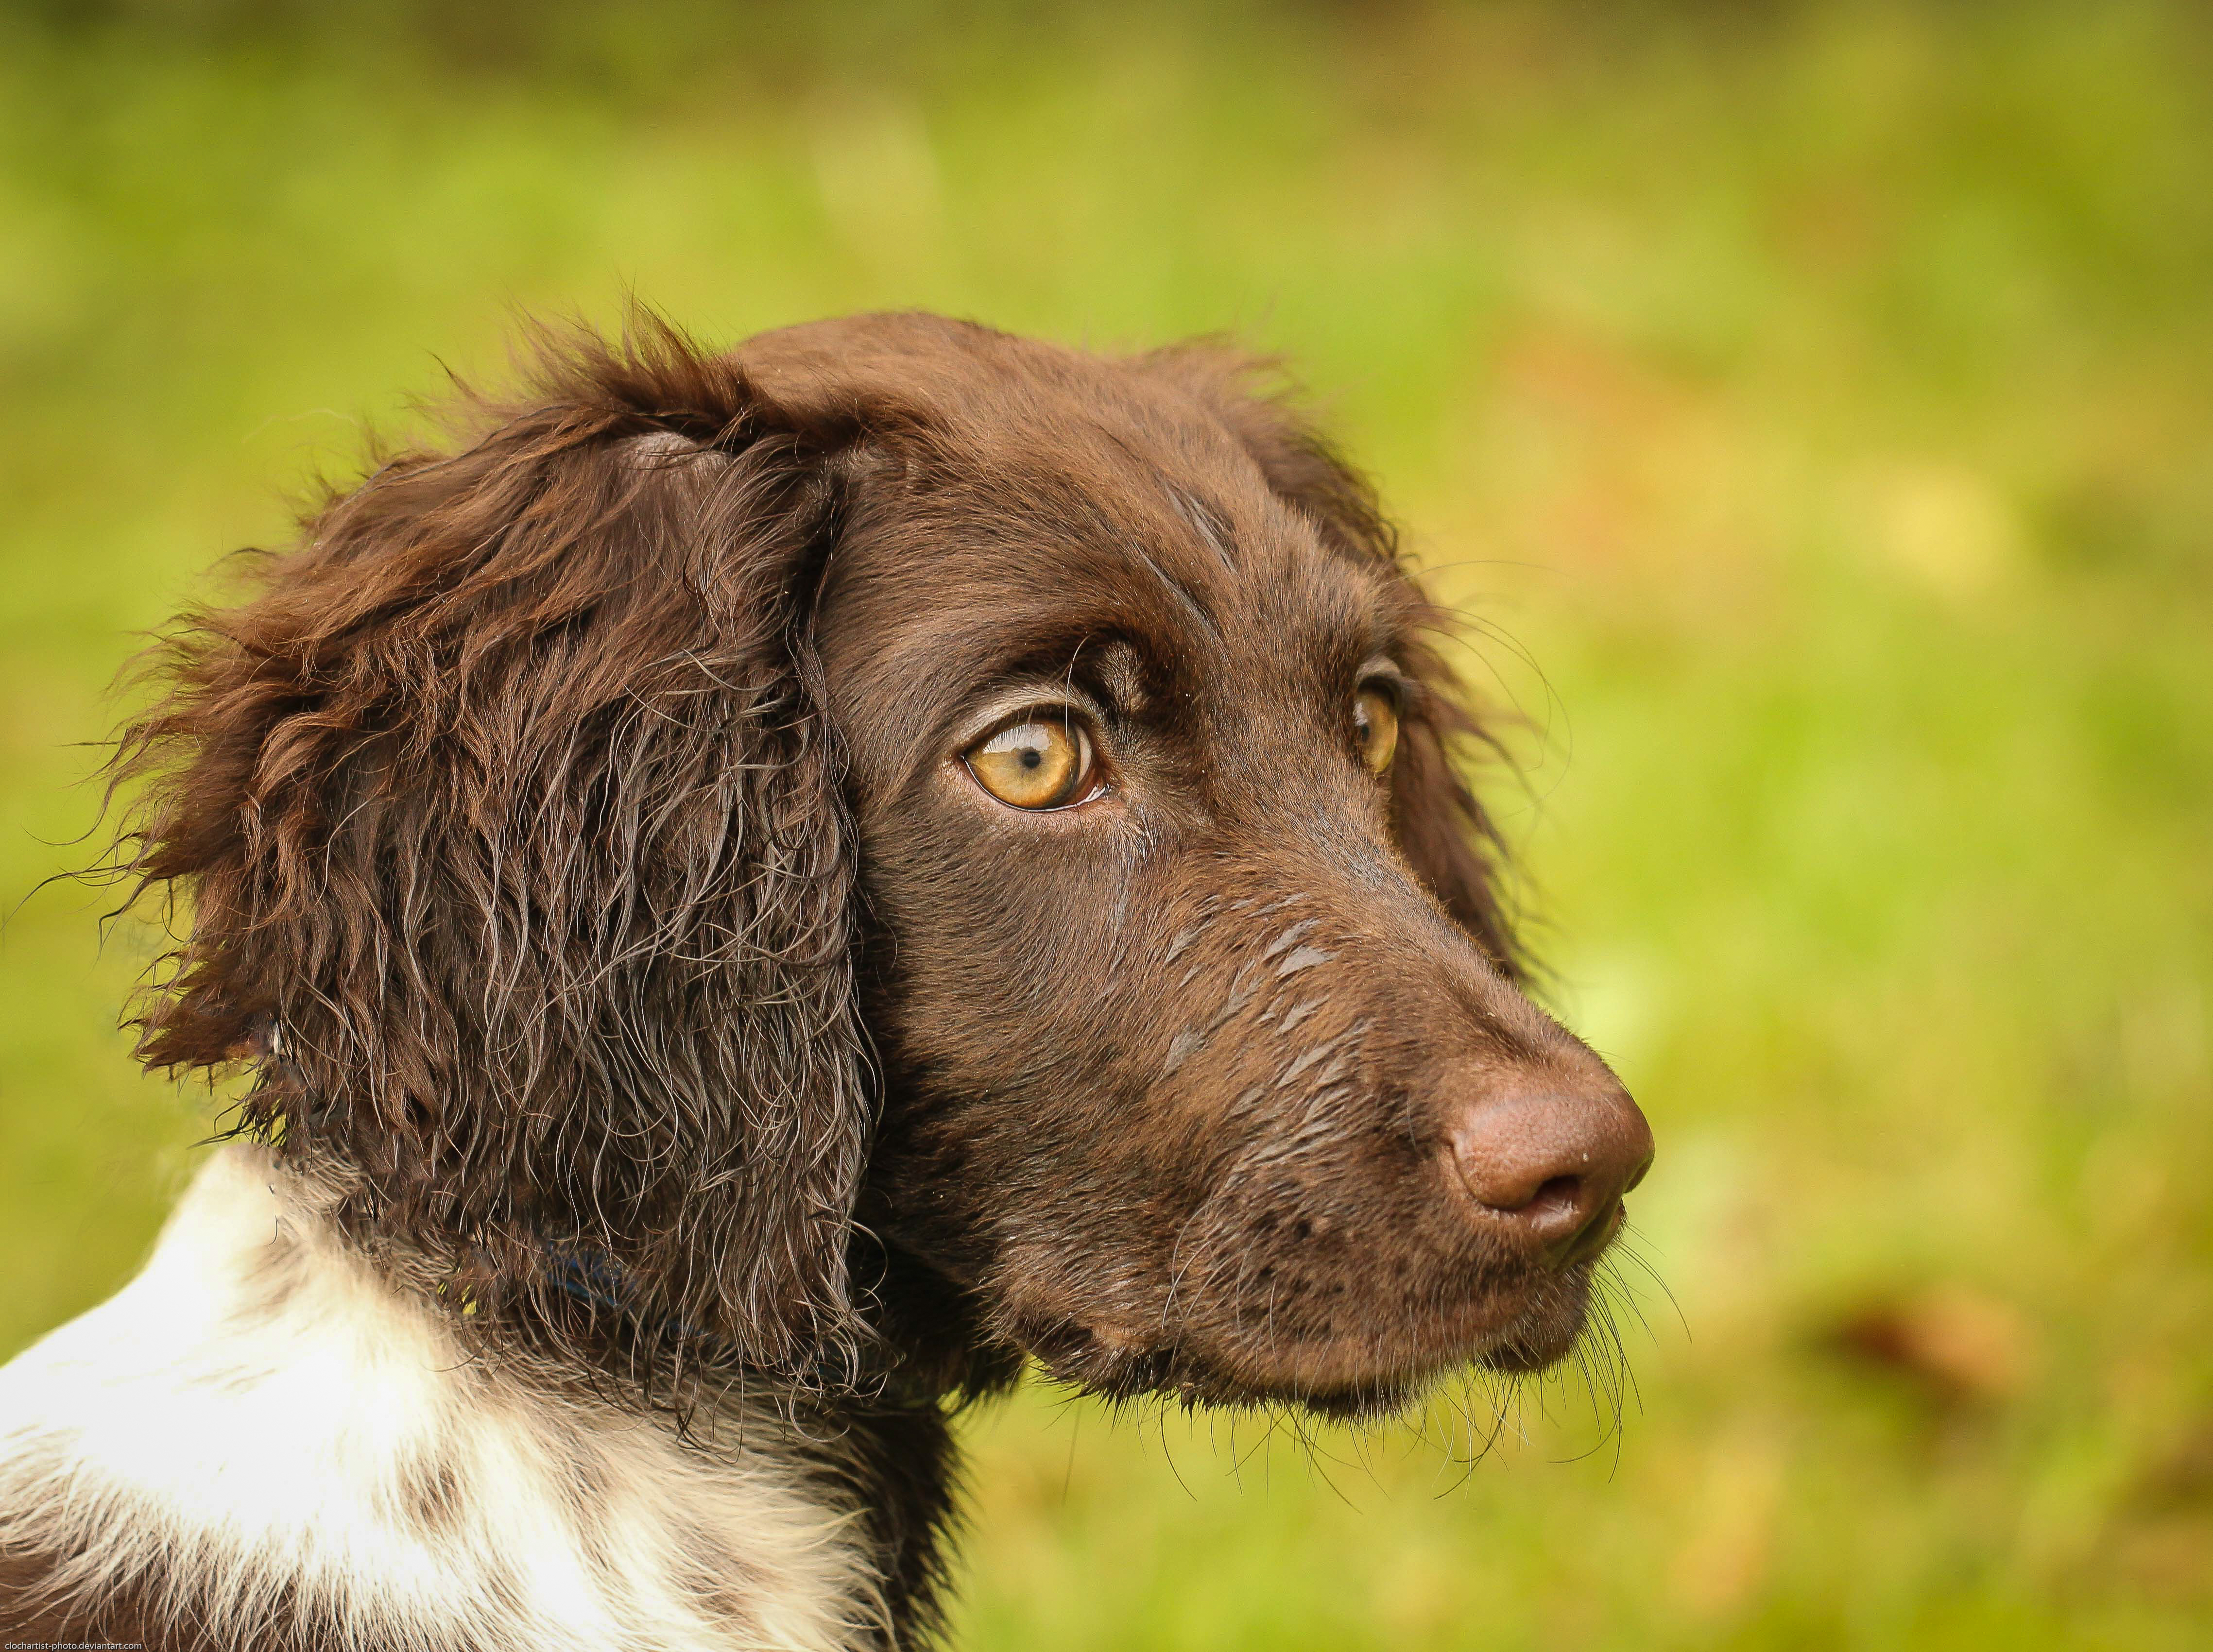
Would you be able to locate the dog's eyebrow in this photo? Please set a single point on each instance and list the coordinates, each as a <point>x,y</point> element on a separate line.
<point>1211,525</point>
<point>1183,592</point>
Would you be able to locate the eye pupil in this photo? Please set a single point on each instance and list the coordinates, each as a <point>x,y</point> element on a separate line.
<point>1032,758</point>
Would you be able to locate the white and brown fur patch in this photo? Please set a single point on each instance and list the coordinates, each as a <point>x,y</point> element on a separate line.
<point>260,1440</point>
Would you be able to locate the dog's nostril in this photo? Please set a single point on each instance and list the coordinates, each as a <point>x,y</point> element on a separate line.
<point>1550,1167</point>
<point>1559,1197</point>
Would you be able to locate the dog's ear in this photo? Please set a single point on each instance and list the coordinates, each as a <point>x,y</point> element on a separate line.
<point>506,813</point>
<point>1444,832</point>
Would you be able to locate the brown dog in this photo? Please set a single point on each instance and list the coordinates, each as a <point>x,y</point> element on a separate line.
<point>763,891</point>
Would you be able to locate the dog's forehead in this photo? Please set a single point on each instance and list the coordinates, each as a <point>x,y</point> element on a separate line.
<point>1163,513</point>
<point>995,458</point>
<point>1056,437</point>
<point>1026,543</point>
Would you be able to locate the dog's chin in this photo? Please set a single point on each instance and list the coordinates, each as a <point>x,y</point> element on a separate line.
<point>1543,1335</point>
<point>1362,1372</point>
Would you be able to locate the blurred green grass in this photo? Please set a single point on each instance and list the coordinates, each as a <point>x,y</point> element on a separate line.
<point>1815,403</point>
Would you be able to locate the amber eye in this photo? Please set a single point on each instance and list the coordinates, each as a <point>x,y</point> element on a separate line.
<point>1375,726</point>
<point>1041,760</point>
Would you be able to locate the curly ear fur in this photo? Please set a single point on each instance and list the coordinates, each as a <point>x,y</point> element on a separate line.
<point>1447,837</point>
<point>508,825</point>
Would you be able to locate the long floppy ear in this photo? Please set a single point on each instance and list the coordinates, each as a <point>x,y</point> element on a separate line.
<point>506,813</point>
<point>1445,834</point>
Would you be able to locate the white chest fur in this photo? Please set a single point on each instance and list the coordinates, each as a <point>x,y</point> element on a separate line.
<point>261,1420</point>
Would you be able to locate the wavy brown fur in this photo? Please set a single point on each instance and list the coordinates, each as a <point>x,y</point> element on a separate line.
<point>506,800</point>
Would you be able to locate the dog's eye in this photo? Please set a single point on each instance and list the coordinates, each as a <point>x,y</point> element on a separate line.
<point>1041,760</point>
<point>1375,726</point>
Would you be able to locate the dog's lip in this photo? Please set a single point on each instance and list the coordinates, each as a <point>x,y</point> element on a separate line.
<point>1349,1374</point>
<point>1518,1349</point>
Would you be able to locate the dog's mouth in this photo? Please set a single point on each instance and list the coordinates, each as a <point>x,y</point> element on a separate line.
<point>1350,1372</point>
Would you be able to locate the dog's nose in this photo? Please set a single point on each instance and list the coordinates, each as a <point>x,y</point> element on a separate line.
<point>1552,1165</point>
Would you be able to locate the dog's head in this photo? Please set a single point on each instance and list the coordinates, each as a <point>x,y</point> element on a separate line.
<point>901,804</point>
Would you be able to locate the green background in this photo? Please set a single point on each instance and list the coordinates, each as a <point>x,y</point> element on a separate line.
<point>1814,403</point>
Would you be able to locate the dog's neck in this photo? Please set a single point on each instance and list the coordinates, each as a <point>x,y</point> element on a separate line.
<point>262,1432</point>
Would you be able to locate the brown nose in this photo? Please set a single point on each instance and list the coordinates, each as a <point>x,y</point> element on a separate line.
<point>1552,1165</point>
